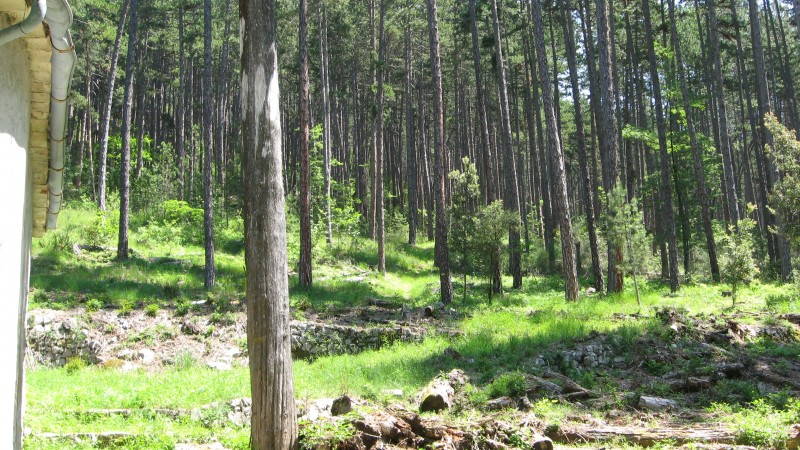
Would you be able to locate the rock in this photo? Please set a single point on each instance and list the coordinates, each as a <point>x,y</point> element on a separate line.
<point>656,404</point>
<point>128,367</point>
<point>219,365</point>
<point>146,356</point>
<point>501,403</point>
<point>231,352</point>
<point>591,291</point>
<point>793,443</point>
<point>125,355</point>
<point>341,406</point>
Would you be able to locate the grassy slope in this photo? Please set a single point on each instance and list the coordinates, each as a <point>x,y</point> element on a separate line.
<point>505,335</point>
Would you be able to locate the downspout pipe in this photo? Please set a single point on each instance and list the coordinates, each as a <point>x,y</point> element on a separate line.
<point>27,25</point>
<point>62,61</point>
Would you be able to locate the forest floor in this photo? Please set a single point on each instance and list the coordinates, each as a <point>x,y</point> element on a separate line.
<point>687,370</point>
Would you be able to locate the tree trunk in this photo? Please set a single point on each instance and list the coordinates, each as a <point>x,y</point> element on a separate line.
<point>666,182</point>
<point>208,154</point>
<point>588,205</point>
<point>411,151</point>
<point>305,268</point>
<point>379,150</point>
<point>326,117</point>
<point>722,117</point>
<point>782,257</point>
<point>106,118</point>
<point>571,286</point>
<point>607,132</point>
<point>274,425</point>
<point>442,251</point>
<point>125,162</point>
<point>180,120</point>
<point>699,172</point>
<point>486,152</point>
<point>510,192</point>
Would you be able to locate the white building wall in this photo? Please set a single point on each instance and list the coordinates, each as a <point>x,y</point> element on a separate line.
<point>15,233</point>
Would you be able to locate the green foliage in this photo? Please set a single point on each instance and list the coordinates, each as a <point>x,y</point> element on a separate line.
<point>509,384</point>
<point>738,265</point>
<point>151,310</point>
<point>313,435</point>
<point>785,196</point>
<point>94,304</point>
<point>74,365</point>
<point>623,225</point>
<point>477,234</point>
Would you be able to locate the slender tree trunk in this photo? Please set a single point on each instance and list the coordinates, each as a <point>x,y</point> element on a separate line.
<point>274,425</point>
<point>571,286</point>
<point>87,117</point>
<point>380,231</point>
<point>699,172</point>
<point>607,132</point>
<point>411,151</point>
<point>782,255</point>
<point>326,117</point>
<point>510,192</point>
<point>125,160</point>
<point>180,120</point>
<point>722,117</point>
<point>666,181</point>
<point>106,118</point>
<point>305,265</point>
<point>442,251</point>
<point>208,154</point>
<point>588,205</point>
<point>486,152</point>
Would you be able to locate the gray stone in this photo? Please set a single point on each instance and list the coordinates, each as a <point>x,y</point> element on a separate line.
<point>219,365</point>
<point>146,356</point>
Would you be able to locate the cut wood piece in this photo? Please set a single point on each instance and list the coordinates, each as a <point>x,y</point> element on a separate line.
<point>538,386</point>
<point>656,404</point>
<point>431,309</point>
<point>573,389</point>
<point>438,395</point>
<point>690,384</point>
<point>539,442</point>
<point>500,403</point>
<point>793,318</point>
<point>643,437</point>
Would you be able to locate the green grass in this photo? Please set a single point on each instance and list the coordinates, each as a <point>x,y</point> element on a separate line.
<point>504,336</point>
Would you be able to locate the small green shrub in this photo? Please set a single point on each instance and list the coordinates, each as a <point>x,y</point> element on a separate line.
<point>314,435</point>
<point>509,384</point>
<point>94,304</point>
<point>183,307</point>
<point>74,365</point>
<point>151,310</point>
<point>126,307</point>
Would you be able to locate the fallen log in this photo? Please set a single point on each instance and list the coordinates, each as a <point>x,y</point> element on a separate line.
<point>642,437</point>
